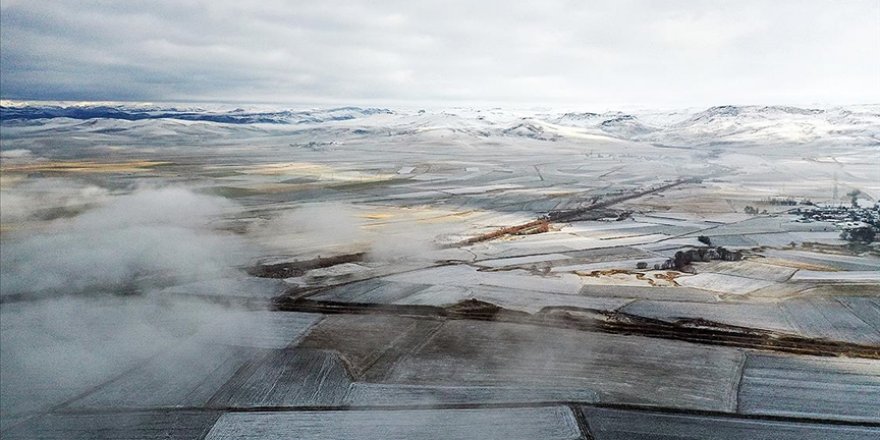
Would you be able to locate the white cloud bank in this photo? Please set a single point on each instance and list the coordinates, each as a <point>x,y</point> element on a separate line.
<point>152,236</point>
<point>83,298</point>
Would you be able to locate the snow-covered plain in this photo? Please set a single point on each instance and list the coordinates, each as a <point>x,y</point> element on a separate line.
<point>134,235</point>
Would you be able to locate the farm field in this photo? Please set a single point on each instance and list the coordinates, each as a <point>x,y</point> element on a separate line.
<point>368,272</point>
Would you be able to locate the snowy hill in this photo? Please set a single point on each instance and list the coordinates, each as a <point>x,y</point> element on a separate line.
<point>11,111</point>
<point>773,125</point>
<point>713,127</point>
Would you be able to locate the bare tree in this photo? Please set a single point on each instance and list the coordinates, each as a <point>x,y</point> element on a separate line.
<point>854,197</point>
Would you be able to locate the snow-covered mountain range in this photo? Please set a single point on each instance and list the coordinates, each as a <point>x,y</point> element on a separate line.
<point>715,126</point>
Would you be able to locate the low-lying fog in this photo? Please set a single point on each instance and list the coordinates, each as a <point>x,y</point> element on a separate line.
<point>87,276</point>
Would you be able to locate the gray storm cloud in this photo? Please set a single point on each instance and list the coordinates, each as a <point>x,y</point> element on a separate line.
<point>632,52</point>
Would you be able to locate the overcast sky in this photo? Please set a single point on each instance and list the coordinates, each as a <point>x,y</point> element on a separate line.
<point>587,53</point>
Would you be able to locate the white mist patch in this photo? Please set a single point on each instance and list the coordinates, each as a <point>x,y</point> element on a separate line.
<point>327,228</point>
<point>26,199</point>
<point>19,153</point>
<point>90,297</point>
<point>309,231</point>
<point>161,235</point>
<point>319,224</point>
<point>411,241</point>
<point>55,349</point>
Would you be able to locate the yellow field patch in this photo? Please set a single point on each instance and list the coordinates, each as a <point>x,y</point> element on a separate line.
<point>377,216</point>
<point>313,170</point>
<point>82,166</point>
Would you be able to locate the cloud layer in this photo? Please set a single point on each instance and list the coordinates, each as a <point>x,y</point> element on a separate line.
<point>614,52</point>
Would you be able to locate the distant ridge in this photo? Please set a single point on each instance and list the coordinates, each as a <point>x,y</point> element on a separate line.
<point>137,113</point>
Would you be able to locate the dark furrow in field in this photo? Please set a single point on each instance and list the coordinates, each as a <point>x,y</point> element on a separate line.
<point>691,330</point>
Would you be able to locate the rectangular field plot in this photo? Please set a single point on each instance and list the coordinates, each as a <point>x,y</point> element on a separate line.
<point>619,264</point>
<point>369,344</point>
<point>613,424</point>
<point>618,368</point>
<point>187,376</point>
<point>259,329</point>
<point>508,298</point>
<point>291,377</point>
<point>826,261</point>
<point>651,293</point>
<point>46,360</point>
<point>628,230</point>
<point>390,394</point>
<point>862,276</point>
<point>733,241</point>
<point>762,315</point>
<point>550,423</point>
<point>831,319</point>
<point>825,388</point>
<point>748,269</point>
<point>604,255</point>
<point>867,308</point>
<point>182,425</point>
<point>745,225</point>
<point>371,291</point>
<point>723,283</point>
<point>466,276</point>
<point>656,219</point>
<point>776,239</point>
<point>523,261</point>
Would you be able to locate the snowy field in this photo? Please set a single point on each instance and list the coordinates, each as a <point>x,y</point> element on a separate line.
<point>220,272</point>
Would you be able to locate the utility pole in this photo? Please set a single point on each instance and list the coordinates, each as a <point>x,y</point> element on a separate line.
<point>834,194</point>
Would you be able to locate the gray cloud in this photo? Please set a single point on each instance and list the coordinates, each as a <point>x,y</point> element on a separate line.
<point>620,52</point>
